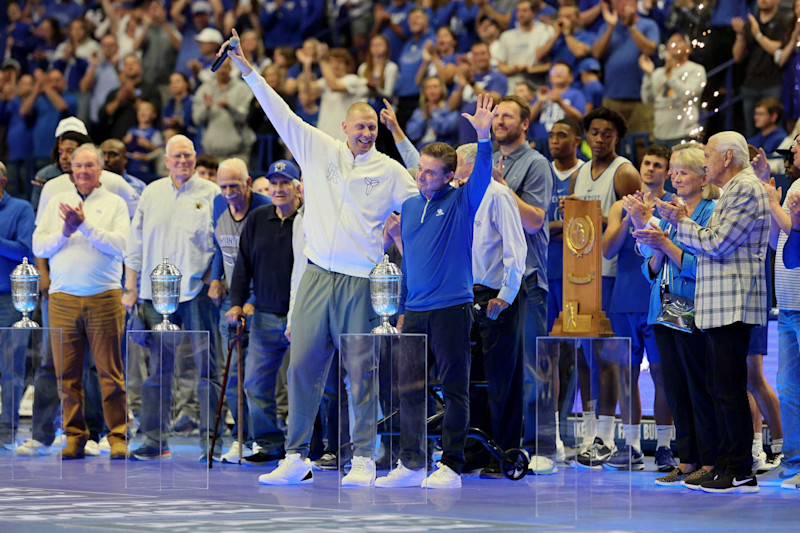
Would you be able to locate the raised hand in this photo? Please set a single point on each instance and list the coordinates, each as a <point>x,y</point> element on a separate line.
<point>639,212</point>
<point>482,119</point>
<point>761,165</point>
<point>646,64</point>
<point>389,117</point>
<point>773,194</point>
<point>754,28</point>
<point>654,237</point>
<point>672,211</point>
<point>737,23</point>
<point>237,56</point>
<point>793,202</point>
<point>609,15</point>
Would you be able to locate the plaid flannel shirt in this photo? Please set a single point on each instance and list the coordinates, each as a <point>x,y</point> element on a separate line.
<point>731,250</point>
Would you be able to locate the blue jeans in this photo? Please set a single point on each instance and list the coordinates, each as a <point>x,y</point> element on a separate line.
<point>789,386</point>
<point>14,344</point>
<point>197,314</point>
<point>227,334</point>
<point>268,344</point>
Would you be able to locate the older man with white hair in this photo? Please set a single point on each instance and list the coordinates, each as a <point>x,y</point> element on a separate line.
<point>83,232</point>
<point>231,209</point>
<point>174,220</point>
<point>730,298</point>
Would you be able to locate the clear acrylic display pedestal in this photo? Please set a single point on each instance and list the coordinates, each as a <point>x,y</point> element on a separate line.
<point>577,375</point>
<point>43,346</point>
<point>152,386</point>
<point>383,399</point>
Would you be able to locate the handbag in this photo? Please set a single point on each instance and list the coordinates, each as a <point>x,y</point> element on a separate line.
<point>677,312</point>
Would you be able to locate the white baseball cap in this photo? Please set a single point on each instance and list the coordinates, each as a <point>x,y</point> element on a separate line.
<point>71,124</point>
<point>209,35</point>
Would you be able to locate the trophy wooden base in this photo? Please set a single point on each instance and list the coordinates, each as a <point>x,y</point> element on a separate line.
<point>571,324</point>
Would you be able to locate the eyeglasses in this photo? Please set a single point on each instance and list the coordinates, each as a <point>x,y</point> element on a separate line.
<point>183,155</point>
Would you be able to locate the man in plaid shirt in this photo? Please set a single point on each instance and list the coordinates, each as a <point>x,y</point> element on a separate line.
<point>730,298</point>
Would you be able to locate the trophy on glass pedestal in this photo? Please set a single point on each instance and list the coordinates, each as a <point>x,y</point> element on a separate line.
<point>385,287</point>
<point>165,281</point>
<point>25,292</point>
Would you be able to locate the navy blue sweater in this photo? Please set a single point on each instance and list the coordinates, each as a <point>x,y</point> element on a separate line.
<point>266,258</point>
<point>437,240</point>
<point>16,232</point>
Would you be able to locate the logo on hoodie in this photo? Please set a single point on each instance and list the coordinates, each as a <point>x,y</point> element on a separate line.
<point>332,173</point>
<point>371,184</point>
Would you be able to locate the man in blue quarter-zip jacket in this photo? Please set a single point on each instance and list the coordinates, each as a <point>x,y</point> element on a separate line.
<point>436,229</point>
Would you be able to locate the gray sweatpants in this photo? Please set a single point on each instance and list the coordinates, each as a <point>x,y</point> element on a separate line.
<point>329,304</point>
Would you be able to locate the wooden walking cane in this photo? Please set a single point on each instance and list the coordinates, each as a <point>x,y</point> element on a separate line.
<point>237,341</point>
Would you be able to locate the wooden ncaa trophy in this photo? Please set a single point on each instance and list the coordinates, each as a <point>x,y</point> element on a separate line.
<point>582,315</point>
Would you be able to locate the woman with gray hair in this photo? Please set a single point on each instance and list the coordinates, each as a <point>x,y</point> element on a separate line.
<point>670,264</point>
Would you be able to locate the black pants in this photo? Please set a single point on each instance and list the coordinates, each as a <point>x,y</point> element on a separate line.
<point>448,344</point>
<point>727,350</point>
<point>497,359</point>
<point>685,365</point>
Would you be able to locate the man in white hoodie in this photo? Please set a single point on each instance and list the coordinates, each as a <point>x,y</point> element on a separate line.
<point>350,190</point>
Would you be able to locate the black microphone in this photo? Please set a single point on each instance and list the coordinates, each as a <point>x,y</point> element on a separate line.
<point>233,43</point>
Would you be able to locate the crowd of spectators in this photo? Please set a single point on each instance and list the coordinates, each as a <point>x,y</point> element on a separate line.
<point>139,71</point>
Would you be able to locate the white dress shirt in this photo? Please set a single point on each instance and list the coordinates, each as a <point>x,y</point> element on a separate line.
<point>89,261</point>
<point>175,224</point>
<point>499,247</point>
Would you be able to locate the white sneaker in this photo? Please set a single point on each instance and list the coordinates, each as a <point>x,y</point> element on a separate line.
<point>32,448</point>
<point>105,447</point>
<point>60,441</point>
<point>542,466</point>
<point>443,478</point>
<point>760,462</point>
<point>401,477</point>
<point>293,470</point>
<point>91,448</point>
<point>793,483</point>
<point>232,455</point>
<point>362,473</point>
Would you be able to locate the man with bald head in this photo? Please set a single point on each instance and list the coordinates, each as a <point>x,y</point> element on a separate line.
<point>350,190</point>
<point>116,159</point>
<point>231,209</point>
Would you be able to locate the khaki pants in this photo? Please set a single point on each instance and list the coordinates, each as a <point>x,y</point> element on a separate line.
<point>100,320</point>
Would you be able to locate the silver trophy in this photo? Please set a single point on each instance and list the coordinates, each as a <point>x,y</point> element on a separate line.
<point>165,282</point>
<point>25,292</point>
<point>385,286</point>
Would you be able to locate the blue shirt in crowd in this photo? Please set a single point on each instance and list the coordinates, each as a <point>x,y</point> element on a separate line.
<point>437,240</point>
<point>16,233</point>
<point>491,81</point>
<point>623,77</point>
<point>19,136</point>
<point>593,93</point>
<point>561,51</point>
<point>409,62</point>
<point>47,118</point>
<point>399,16</point>
<point>73,71</point>
<point>282,24</point>
<point>769,142</point>
<point>725,10</point>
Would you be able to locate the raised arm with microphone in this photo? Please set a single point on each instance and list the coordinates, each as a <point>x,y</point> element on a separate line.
<point>231,45</point>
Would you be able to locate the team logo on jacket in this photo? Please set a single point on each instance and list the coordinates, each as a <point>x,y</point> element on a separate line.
<point>371,184</point>
<point>332,173</point>
<point>439,212</point>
